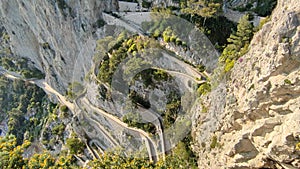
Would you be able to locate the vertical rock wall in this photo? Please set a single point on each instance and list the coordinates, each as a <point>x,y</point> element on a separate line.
<point>56,35</point>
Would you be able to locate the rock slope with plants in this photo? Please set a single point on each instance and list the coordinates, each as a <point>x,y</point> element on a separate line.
<point>252,120</point>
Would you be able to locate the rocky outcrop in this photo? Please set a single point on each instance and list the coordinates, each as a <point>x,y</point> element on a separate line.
<point>253,119</point>
<point>56,35</point>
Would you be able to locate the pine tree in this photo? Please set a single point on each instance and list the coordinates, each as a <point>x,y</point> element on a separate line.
<point>204,8</point>
<point>238,43</point>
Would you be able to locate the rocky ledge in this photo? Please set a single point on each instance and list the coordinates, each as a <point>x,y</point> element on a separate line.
<point>253,119</point>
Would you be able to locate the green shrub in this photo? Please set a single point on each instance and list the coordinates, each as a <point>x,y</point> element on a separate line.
<point>178,42</point>
<point>262,23</point>
<point>214,142</point>
<point>26,73</point>
<point>75,145</point>
<point>132,48</point>
<point>173,38</point>
<point>161,75</point>
<point>298,146</point>
<point>204,89</point>
<point>64,108</point>
<point>228,65</point>
<point>287,81</point>
<point>204,109</point>
<point>100,23</point>
<point>129,42</point>
<point>166,38</point>
<point>238,43</point>
<point>58,129</point>
<point>156,33</point>
<point>201,68</point>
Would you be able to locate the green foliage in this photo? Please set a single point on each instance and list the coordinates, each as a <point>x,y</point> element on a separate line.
<point>58,129</point>
<point>172,110</point>
<point>204,8</point>
<point>130,47</point>
<point>99,23</point>
<point>204,88</point>
<point>21,65</point>
<point>298,146</point>
<point>17,99</point>
<point>214,142</point>
<point>117,160</point>
<point>262,23</point>
<point>238,43</point>
<point>156,34</point>
<point>44,160</point>
<point>54,128</point>
<point>181,157</point>
<point>135,120</point>
<point>74,90</point>
<point>171,113</point>
<point>161,28</point>
<point>12,63</point>
<point>228,65</point>
<point>217,29</point>
<point>134,64</point>
<point>75,145</point>
<point>179,42</point>
<point>204,109</point>
<point>287,81</point>
<point>152,78</point>
<point>161,75</point>
<point>64,108</point>
<point>11,155</point>
<point>201,68</point>
<point>118,54</point>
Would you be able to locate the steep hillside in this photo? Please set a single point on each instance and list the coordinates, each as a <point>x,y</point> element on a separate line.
<point>252,120</point>
<point>128,86</point>
<point>56,35</point>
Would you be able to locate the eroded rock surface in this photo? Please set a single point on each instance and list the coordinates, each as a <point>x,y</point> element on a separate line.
<point>256,122</point>
<point>57,36</point>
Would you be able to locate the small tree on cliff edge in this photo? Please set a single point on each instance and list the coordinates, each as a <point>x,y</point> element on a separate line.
<point>238,43</point>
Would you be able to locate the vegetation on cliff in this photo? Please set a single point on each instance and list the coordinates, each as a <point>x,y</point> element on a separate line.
<point>32,117</point>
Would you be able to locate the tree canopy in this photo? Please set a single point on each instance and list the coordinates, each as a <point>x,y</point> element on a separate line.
<point>204,8</point>
<point>238,43</point>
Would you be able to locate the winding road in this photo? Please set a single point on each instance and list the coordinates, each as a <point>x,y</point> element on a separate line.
<point>151,145</point>
<point>153,155</point>
<point>82,104</point>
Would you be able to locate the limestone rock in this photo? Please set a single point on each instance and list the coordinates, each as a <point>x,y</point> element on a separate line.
<point>55,36</point>
<point>257,123</point>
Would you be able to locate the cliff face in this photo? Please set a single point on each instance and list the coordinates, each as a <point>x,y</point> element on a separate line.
<point>56,35</point>
<point>253,120</point>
